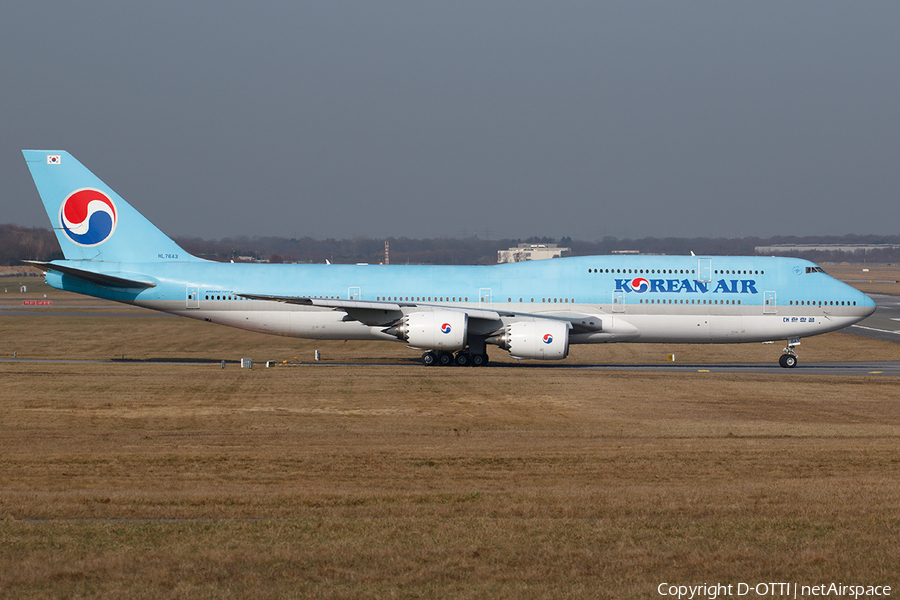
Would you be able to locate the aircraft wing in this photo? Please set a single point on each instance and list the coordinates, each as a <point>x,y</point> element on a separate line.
<point>101,279</point>
<point>384,313</point>
<point>580,322</point>
<point>373,312</point>
<point>330,302</point>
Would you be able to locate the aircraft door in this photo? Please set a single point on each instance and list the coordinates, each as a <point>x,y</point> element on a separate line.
<point>192,296</point>
<point>484,295</point>
<point>769,306</point>
<point>353,293</point>
<point>704,270</point>
<point>618,301</point>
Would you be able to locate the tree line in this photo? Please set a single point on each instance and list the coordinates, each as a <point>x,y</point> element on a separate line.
<point>35,243</point>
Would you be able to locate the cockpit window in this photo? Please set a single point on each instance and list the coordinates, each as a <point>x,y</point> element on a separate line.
<point>814,270</point>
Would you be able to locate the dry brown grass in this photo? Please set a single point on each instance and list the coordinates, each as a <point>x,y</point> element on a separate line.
<point>132,480</point>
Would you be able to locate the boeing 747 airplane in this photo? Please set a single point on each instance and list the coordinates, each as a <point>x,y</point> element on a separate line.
<point>534,310</point>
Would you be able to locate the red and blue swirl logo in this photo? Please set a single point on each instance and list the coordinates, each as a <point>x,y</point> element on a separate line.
<point>88,217</point>
<point>445,328</point>
<point>548,339</point>
<point>640,285</point>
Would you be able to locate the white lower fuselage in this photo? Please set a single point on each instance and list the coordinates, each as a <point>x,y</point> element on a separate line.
<point>684,326</point>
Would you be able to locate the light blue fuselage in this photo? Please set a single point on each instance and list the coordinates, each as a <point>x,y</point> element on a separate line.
<point>686,299</point>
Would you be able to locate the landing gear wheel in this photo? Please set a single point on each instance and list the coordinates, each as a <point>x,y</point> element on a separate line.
<point>444,359</point>
<point>429,358</point>
<point>479,360</point>
<point>788,360</point>
<point>463,359</point>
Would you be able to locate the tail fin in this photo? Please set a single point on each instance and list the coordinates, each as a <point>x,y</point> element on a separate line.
<point>90,220</point>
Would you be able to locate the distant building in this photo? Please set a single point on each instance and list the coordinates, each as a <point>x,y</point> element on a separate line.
<point>524,252</point>
<point>782,248</point>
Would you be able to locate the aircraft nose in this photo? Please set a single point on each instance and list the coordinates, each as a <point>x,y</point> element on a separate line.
<point>868,305</point>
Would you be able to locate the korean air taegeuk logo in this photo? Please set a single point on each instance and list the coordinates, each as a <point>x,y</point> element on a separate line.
<point>88,217</point>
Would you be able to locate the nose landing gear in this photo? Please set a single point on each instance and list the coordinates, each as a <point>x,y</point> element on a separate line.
<point>788,360</point>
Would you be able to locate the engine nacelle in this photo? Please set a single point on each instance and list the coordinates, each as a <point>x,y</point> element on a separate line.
<point>438,330</point>
<point>542,339</point>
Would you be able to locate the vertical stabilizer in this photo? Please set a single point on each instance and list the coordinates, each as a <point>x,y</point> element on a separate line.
<point>91,221</point>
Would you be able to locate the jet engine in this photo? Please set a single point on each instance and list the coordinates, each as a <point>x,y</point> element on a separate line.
<point>438,330</point>
<point>541,339</point>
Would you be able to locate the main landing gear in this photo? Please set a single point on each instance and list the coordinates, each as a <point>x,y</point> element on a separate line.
<point>461,359</point>
<point>788,360</point>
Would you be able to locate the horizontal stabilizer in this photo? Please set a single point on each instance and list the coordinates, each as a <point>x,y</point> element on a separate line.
<point>101,279</point>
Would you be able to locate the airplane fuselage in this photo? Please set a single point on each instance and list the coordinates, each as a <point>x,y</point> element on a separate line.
<point>639,298</point>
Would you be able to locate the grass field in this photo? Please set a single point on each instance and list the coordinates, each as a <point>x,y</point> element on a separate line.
<point>137,480</point>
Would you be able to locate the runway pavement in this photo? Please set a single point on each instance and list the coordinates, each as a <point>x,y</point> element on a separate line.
<point>888,369</point>
<point>870,368</point>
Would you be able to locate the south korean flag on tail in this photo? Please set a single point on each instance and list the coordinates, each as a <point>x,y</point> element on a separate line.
<point>53,159</point>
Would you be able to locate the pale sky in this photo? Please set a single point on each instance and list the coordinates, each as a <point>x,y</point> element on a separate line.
<point>430,119</point>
